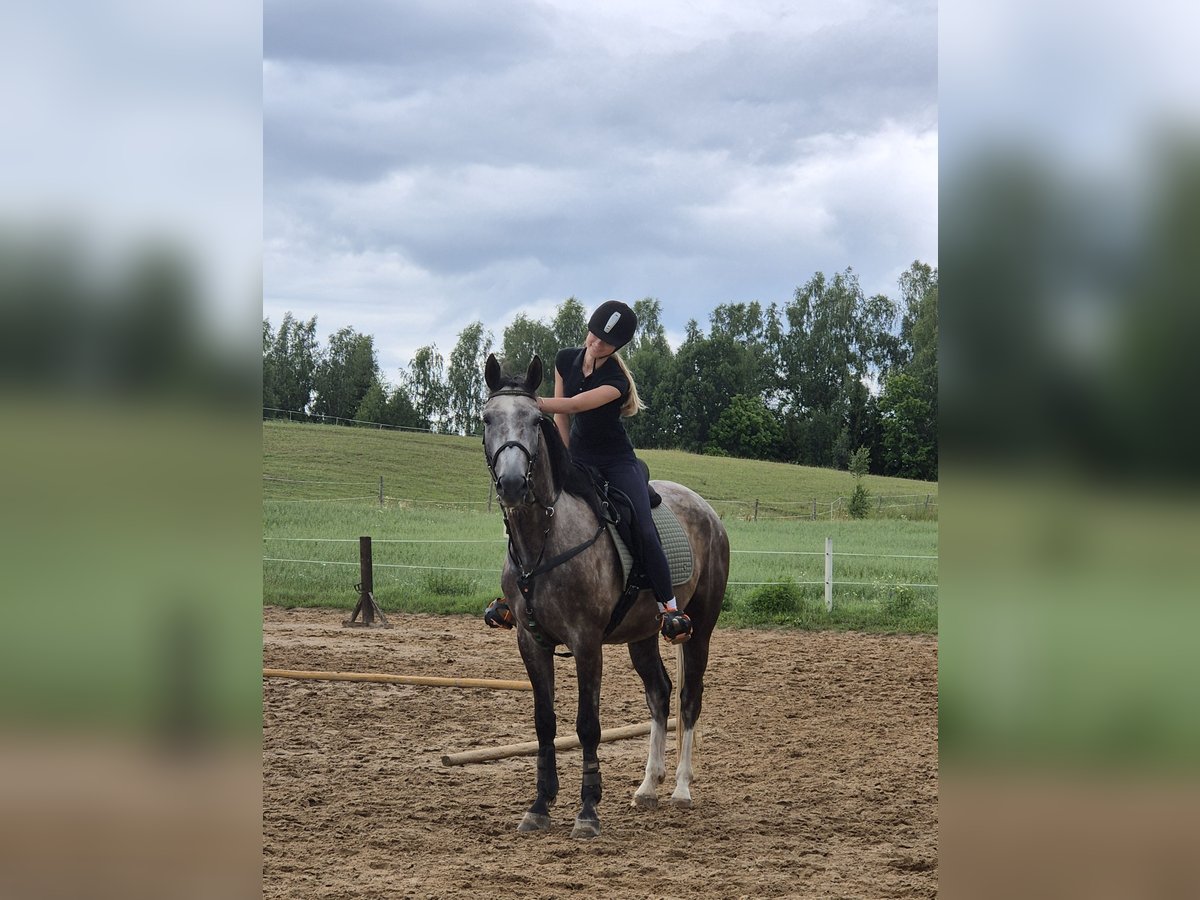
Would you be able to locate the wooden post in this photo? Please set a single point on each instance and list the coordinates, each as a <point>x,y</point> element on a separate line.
<point>381,490</point>
<point>755,509</point>
<point>365,587</point>
<point>829,574</point>
<point>814,515</point>
<point>927,504</point>
<point>491,487</point>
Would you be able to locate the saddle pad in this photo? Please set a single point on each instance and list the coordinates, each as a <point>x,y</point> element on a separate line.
<point>674,543</point>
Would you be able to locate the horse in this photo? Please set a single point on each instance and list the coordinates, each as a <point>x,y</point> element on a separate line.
<point>562,578</point>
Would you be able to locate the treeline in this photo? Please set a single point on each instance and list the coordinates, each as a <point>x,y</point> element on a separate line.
<point>809,381</point>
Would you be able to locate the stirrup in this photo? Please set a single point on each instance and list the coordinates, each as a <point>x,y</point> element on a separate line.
<point>676,627</point>
<point>498,615</point>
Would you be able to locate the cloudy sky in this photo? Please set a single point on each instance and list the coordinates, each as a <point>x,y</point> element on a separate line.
<point>433,162</point>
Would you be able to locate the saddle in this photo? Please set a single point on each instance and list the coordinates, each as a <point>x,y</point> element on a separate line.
<point>616,509</point>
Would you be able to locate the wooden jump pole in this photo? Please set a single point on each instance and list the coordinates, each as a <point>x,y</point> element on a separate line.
<point>530,748</point>
<point>379,677</point>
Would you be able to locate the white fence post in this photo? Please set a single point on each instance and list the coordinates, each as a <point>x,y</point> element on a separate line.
<point>829,574</point>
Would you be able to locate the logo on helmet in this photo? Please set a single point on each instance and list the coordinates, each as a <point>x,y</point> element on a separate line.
<point>612,320</point>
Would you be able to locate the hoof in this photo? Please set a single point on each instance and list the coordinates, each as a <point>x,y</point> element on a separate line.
<point>645,801</point>
<point>534,822</point>
<point>681,802</point>
<point>586,828</point>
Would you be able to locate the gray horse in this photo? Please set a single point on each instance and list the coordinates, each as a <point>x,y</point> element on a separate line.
<point>562,579</point>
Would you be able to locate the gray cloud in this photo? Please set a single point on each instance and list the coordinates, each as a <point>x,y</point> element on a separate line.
<point>411,34</point>
<point>513,159</point>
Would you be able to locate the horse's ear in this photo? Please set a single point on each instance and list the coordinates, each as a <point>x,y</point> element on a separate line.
<point>533,375</point>
<point>491,372</point>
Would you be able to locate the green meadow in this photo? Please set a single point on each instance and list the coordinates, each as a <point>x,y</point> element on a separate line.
<point>438,544</point>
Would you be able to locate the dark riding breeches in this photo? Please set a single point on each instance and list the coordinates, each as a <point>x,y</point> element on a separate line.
<point>625,473</point>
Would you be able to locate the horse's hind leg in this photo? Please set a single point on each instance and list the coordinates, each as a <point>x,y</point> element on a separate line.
<point>539,663</point>
<point>649,665</point>
<point>695,660</point>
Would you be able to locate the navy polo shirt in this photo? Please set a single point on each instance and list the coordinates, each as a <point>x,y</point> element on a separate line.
<point>598,431</point>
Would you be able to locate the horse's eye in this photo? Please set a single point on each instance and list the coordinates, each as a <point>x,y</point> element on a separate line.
<point>487,418</point>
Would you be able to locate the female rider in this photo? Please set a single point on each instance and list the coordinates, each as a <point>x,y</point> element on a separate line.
<point>593,384</point>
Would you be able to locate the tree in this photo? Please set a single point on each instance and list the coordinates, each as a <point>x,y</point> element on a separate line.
<point>464,378</point>
<point>650,336</point>
<point>388,406</point>
<point>523,339</point>
<point>426,386</point>
<point>650,359</point>
<point>746,428</point>
<point>289,363</point>
<point>373,407</point>
<point>918,294</point>
<point>270,397</point>
<point>400,410</point>
<point>860,428</point>
<point>909,437</point>
<point>909,429</point>
<point>706,375</point>
<point>836,336</point>
<point>859,506</point>
<point>345,373</point>
<point>569,325</point>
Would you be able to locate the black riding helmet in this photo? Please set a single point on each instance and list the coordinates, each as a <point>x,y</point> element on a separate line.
<point>614,323</point>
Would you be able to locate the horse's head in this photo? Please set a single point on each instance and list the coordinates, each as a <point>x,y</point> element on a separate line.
<point>512,428</point>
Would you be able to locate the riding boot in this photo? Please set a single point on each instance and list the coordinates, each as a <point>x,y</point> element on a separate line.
<point>676,627</point>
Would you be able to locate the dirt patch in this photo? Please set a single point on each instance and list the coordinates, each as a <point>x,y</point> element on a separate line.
<point>816,773</point>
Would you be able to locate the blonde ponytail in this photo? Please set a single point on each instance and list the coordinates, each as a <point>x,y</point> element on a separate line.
<point>633,403</point>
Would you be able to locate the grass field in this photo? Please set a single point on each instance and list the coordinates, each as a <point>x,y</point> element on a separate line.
<point>321,491</point>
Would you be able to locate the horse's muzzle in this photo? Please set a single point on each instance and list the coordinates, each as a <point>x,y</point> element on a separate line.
<point>512,489</point>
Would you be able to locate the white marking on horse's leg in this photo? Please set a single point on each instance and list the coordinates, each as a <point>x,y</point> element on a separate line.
<point>656,768</point>
<point>683,772</point>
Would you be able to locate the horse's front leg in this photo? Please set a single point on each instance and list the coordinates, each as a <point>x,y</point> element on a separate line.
<point>539,663</point>
<point>589,665</point>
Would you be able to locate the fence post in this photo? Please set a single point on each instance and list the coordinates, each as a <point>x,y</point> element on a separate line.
<point>367,605</point>
<point>829,574</point>
<point>814,515</point>
<point>490,488</point>
<point>927,504</point>
<point>381,490</point>
<point>755,509</point>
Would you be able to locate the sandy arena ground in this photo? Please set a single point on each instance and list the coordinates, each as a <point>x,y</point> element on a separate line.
<point>816,775</point>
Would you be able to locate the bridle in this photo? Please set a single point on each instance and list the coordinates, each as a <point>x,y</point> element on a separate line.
<point>530,459</point>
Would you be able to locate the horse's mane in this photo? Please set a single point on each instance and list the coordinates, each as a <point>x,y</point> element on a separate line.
<point>567,474</point>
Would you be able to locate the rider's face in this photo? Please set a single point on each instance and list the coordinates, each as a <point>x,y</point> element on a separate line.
<point>599,349</point>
